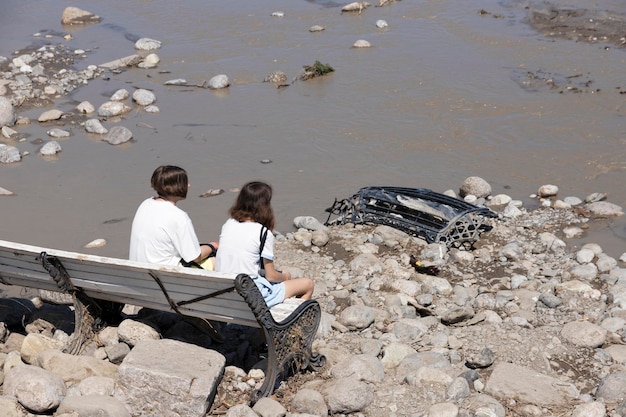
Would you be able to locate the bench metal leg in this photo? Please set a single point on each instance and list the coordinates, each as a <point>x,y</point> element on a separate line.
<point>289,342</point>
<point>87,312</point>
<point>289,348</point>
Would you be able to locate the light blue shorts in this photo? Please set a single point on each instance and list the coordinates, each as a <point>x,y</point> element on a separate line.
<point>273,292</point>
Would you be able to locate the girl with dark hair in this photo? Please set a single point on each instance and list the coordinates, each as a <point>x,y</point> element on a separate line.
<point>161,232</point>
<point>247,246</point>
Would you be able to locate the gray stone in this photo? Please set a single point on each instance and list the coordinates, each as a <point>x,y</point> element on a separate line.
<point>584,256</point>
<point>76,16</point>
<point>34,344</point>
<point>127,61</point>
<point>612,388</point>
<point>49,115</point>
<point>475,186</point>
<point>10,407</point>
<point>117,352</point>
<point>594,409</point>
<point>362,367</point>
<point>357,317</point>
<point>392,236</point>
<point>147,44</point>
<point>120,95</point>
<point>510,381</point>
<point>268,407</point>
<point>572,201</point>
<point>434,254</point>
<point>347,395</point>
<point>113,108</point>
<point>443,410</point>
<point>143,97</point>
<point>7,112</point>
<point>439,285</point>
<point>218,82</point>
<point>319,238</point>
<point>380,23</point>
<point>9,154</point>
<point>169,378</point>
<point>394,354</point>
<point>132,332</point>
<point>176,81</point>
<point>428,377</point>
<point>457,315</point>
<point>93,406</point>
<point>50,148</point>
<point>85,107</point>
<point>500,200</point>
<point>97,385</point>
<point>7,132</point>
<point>617,353</point>
<point>241,410</point>
<point>605,263</point>
<point>604,209</point>
<point>593,197</point>
<point>409,330</point>
<point>309,223</point>
<point>366,264</point>
<point>586,272</point>
<point>94,126</point>
<point>550,300</point>
<point>309,401</point>
<point>548,190</point>
<point>361,43</point>
<point>458,389</point>
<point>58,133</point>
<point>483,359</point>
<point>35,388</point>
<point>117,135</point>
<point>74,369</point>
<point>551,242</point>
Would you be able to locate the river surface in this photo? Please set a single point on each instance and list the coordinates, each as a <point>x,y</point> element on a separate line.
<point>439,96</point>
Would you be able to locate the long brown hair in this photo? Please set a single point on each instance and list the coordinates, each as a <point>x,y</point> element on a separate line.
<point>170,181</point>
<point>254,202</point>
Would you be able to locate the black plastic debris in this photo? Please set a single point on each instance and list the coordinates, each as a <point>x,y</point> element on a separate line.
<point>423,268</point>
<point>434,217</point>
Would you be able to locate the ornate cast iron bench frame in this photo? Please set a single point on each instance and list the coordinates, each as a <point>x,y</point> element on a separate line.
<point>434,217</point>
<point>92,281</point>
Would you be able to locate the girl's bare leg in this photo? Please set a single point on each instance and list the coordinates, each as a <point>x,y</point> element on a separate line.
<point>299,287</point>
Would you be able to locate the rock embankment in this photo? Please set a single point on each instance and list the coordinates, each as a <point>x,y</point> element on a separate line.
<point>526,324</point>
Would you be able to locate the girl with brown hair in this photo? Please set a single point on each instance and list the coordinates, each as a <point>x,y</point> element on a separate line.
<point>247,246</point>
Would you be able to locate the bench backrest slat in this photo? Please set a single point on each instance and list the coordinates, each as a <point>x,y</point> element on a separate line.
<point>128,282</point>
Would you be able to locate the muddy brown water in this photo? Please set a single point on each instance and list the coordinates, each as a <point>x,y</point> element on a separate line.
<point>448,90</point>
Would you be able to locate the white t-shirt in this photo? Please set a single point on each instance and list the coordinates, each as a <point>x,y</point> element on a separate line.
<point>239,247</point>
<point>162,234</point>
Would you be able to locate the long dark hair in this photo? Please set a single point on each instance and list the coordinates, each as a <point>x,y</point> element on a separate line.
<point>254,202</point>
<point>170,181</point>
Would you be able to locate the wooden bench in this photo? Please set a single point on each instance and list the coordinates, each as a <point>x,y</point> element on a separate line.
<point>289,328</point>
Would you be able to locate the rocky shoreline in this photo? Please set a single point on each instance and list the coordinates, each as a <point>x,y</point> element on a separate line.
<point>526,324</point>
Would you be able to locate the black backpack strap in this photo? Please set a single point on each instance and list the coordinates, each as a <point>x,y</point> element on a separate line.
<point>262,237</point>
<point>192,264</point>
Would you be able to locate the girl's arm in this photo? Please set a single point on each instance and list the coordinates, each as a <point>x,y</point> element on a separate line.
<point>206,251</point>
<point>274,275</point>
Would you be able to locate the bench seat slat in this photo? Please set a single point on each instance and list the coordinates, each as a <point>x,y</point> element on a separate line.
<point>140,288</point>
<point>129,282</point>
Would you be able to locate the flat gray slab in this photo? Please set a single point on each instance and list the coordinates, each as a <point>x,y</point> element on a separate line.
<point>169,378</point>
<point>525,385</point>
